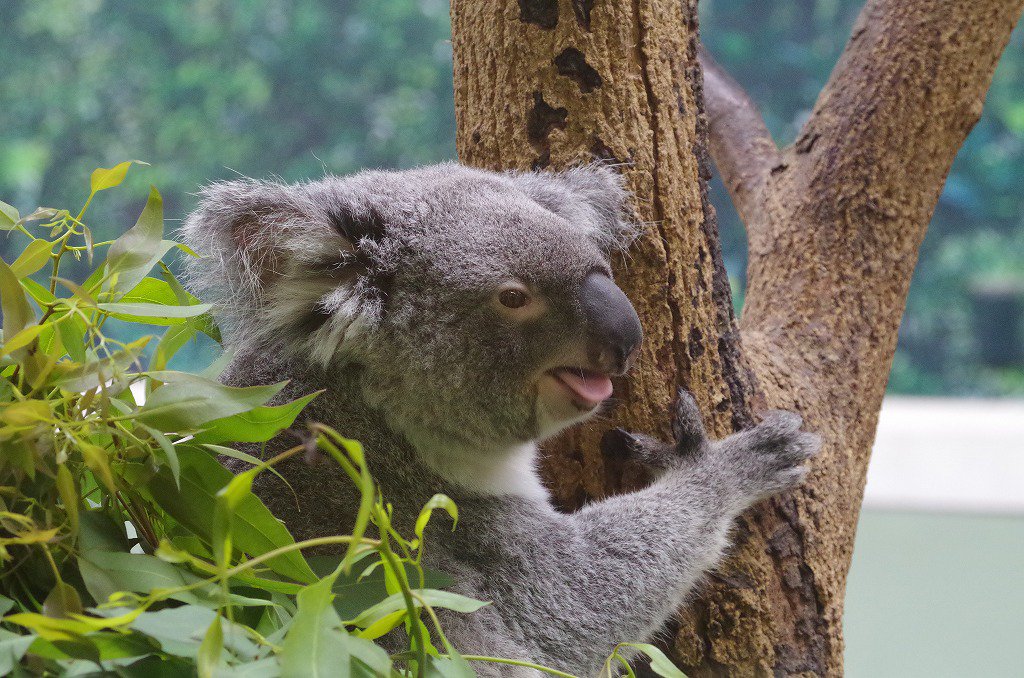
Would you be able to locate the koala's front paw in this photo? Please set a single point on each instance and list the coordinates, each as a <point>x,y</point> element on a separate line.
<point>687,427</point>
<point>769,458</point>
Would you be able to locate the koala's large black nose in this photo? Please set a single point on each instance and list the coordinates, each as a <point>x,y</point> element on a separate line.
<point>613,326</point>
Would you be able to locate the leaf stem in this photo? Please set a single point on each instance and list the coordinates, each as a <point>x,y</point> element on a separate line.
<point>516,662</point>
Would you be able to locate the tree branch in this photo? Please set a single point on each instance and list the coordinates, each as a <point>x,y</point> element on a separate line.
<point>741,145</point>
<point>844,216</point>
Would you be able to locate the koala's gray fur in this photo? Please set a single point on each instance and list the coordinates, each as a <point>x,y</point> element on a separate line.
<point>379,288</point>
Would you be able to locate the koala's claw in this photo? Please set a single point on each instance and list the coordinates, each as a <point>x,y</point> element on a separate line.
<point>687,429</point>
<point>648,451</point>
<point>771,455</point>
<point>688,424</point>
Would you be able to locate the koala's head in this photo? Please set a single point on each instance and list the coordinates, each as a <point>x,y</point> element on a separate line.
<point>478,306</point>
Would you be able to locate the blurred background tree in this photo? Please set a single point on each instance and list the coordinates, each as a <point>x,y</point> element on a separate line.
<point>206,89</point>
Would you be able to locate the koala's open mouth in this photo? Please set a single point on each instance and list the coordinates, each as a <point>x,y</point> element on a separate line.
<point>588,388</point>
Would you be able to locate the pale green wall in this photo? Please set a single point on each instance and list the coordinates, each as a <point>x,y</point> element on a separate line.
<point>936,595</point>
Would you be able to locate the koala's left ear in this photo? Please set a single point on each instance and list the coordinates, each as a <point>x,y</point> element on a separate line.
<point>591,197</point>
<point>295,264</point>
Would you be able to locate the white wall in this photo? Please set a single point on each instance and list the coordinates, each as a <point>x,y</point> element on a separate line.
<point>939,454</point>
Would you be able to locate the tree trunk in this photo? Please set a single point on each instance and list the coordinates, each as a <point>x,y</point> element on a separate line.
<point>834,224</point>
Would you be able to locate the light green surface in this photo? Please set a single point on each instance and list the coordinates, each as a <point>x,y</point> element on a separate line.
<point>936,595</point>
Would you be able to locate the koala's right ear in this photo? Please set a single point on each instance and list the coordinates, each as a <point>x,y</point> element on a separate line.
<point>287,262</point>
<point>591,197</point>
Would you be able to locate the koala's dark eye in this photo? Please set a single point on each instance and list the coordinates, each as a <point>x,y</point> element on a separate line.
<point>513,298</point>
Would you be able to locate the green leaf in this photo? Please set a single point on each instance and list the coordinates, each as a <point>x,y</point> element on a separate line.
<point>62,602</point>
<point>226,501</point>
<point>5,605</point>
<point>72,337</point>
<point>208,658</point>
<point>100,533</point>
<point>21,339</point>
<point>38,292</point>
<point>48,627</point>
<point>180,631</point>
<point>9,218</point>
<point>268,667</point>
<point>315,646</point>
<point>41,213</point>
<point>68,496</point>
<point>98,461</point>
<point>153,314</point>
<point>384,624</point>
<point>354,465</point>
<point>13,647</point>
<point>84,377</point>
<point>436,502</point>
<point>26,412</point>
<point>137,251</point>
<point>660,664</point>
<point>156,291</point>
<point>254,528</point>
<point>186,402</point>
<point>32,258</point>
<point>256,425</point>
<point>170,343</point>
<point>97,646</point>
<point>356,591</point>
<point>181,294</point>
<point>16,310</point>
<point>106,573</point>
<point>433,597</point>
<point>371,654</point>
<point>453,666</point>
<point>104,177</point>
<point>167,452</point>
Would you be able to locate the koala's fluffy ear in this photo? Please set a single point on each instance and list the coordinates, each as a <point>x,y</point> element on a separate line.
<point>592,197</point>
<point>292,263</point>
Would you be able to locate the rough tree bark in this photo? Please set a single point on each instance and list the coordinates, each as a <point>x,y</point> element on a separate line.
<point>834,224</point>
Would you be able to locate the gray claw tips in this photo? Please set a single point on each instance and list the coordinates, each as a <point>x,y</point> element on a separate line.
<point>687,424</point>
<point>619,443</point>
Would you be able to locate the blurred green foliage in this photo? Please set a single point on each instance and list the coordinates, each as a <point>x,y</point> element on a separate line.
<point>206,88</point>
<point>196,87</point>
<point>782,53</point>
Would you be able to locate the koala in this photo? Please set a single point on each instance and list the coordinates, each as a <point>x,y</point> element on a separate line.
<point>454,317</point>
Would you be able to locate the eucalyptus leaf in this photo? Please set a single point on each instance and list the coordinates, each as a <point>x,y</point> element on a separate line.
<point>9,217</point>
<point>62,602</point>
<point>137,251</point>
<point>16,310</point>
<point>186,402</point>
<point>254,528</point>
<point>153,314</point>
<point>166,290</point>
<point>13,647</point>
<point>208,658</point>
<point>256,425</point>
<point>32,258</point>
<point>437,501</point>
<point>42,295</point>
<point>316,644</point>
<point>180,630</point>
<point>268,667</point>
<point>432,597</point>
<point>109,177</point>
<point>72,331</point>
<point>84,377</point>
<point>171,342</point>
<point>660,664</point>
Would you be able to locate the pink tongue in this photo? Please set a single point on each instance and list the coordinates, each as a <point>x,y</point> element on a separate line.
<point>592,387</point>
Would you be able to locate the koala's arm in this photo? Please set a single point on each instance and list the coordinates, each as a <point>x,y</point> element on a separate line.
<point>619,568</point>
